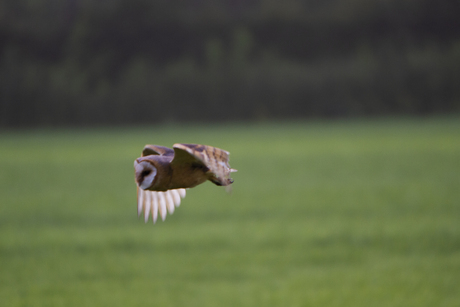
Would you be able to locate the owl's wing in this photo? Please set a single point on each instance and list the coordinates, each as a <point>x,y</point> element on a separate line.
<point>157,150</point>
<point>156,202</point>
<point>214,159</point>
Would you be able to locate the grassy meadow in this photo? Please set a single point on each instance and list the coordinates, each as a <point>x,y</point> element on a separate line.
<point>340,213</point>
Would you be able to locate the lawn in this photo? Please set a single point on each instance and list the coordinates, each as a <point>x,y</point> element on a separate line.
<point>338,213</point>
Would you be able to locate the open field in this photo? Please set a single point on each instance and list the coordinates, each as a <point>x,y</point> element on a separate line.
<point>363,213</point>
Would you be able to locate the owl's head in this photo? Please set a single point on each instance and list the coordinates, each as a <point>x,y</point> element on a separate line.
<point>145,173</point>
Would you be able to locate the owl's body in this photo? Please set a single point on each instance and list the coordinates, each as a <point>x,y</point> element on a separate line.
<point>162,174</point>
<point>168,177</point>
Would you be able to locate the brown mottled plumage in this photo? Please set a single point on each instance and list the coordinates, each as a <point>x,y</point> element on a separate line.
<point>162,174</point>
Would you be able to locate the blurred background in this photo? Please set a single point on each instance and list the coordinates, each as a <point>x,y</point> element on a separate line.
<point>85,62</point>
<point>341,116</point>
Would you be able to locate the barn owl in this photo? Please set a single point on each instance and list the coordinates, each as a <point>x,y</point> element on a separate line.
<point>163,174</point>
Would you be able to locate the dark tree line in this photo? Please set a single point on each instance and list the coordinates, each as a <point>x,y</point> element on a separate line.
<point>76,62</point>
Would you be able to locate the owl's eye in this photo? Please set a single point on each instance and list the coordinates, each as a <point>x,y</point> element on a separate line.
<point>146,172</point>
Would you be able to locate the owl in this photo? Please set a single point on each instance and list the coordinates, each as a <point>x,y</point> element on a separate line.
<point>163,174</point>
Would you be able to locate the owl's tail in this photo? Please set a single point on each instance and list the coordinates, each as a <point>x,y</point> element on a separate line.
<point>223,181</point>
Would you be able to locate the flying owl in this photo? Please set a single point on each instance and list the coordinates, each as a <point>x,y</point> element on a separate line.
<point>162,174</point>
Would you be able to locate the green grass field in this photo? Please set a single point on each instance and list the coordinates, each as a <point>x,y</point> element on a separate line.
<point>345,213</point>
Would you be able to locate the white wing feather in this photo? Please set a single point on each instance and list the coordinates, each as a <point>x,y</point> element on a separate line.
<point>169,202</point>
<point>176,197</point>
<point>161,204</point>
<point>154,207</point>
<point>148,205</point>
<point>140,201</point>
<point>158,203</point>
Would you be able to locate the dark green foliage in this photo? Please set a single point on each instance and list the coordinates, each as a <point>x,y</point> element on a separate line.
<point>82,62</point>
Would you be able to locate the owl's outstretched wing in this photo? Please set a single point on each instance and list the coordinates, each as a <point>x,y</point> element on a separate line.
<point>154,203</point>
<point>157,150</point>
<point>214,159</point>
<point>158,203</point>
